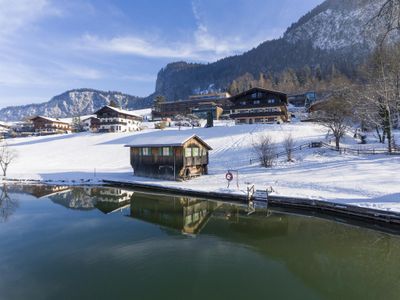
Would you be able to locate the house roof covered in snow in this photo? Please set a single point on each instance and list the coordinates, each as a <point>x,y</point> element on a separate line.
<point>88,118</point>
<point>54,120</point>
<point>170,138</point>
<point>4,125</point>
<point>121,111</point>
<point>258,89</point>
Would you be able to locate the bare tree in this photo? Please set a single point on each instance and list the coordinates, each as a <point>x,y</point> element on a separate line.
<point>388,16</point>
<point>379,98</point>
<point>265,150</point>
<point>7,156</point>
<point>288,144</point>
<point>336,114</point>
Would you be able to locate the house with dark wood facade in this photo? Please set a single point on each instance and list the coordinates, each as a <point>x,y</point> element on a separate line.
<point>50,125</point>
<point>112,119</point>
<point>259,106</point>
<point>169,155</point>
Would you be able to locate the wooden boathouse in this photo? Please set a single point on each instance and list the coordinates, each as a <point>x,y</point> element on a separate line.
<point>169,155</point>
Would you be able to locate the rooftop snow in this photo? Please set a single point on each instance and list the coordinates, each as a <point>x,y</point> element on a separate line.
<point>163,138</point>
<point>50,119</point>
<point>122,111</point>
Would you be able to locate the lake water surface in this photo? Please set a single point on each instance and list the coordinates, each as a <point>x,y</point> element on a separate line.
<point>109,243</point>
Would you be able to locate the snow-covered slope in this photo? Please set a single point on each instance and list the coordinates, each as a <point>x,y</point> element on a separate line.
<point>317,173</point>
<point>338,24</point>
<point>72,103</point>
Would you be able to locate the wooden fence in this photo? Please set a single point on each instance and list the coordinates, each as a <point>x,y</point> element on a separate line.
<point>341,150</point>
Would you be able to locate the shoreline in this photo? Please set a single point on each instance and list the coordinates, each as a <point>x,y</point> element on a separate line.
<point>324,208</point>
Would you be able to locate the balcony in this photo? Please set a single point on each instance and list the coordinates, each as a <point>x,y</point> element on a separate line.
<point>113,123</point>
<point>257,114</point>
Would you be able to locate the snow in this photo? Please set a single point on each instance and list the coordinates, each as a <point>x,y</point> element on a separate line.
<point>369,181</point>
<point>162,138</point>
<point>51,119</point>
<point>146,112</point>
<point>121,111</point>
<point>339,26</point>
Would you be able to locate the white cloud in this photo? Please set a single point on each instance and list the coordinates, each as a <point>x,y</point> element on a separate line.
<point>80,72</point>
<point>204,45</point>
<point>16,74</point>
<point>17,14</point>
<point>136,46</point>
<point>205,41</point>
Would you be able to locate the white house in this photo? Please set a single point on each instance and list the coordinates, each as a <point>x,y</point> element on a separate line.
<point>113,119</point>
<point>91,124</point>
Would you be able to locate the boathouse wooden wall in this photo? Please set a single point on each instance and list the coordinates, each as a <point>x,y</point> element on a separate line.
<point>172,167</point>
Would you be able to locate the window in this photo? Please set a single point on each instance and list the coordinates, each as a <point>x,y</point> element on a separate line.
<point>254,95</point>
<point>188,152</point>
<point>242,103</point>
<point>195,152</point>
<point>271,101</point>
<point>146,151</point>
<point>166,151</point>
<point>256,102</point>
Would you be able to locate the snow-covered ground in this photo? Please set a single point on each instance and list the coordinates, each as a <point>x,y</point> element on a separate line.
<point>371,181</point>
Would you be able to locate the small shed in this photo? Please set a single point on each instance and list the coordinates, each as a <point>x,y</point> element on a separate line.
<point>169,155</point>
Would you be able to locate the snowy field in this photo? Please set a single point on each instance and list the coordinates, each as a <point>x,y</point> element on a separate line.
<point>370,181</point>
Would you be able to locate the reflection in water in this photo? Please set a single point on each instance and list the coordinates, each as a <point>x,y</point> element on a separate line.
<point>188,215</point>
<point>8,205</point>
<point>38,191</point>
<point>333,260</point>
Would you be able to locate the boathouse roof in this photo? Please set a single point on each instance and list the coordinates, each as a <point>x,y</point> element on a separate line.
<point>172,138</point>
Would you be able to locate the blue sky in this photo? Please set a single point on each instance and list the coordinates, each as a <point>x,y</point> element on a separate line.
<point>50,46</point>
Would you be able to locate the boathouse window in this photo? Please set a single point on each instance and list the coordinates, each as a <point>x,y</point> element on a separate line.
<point>195,152</point>
<point>271,101</point>
<point>188,152</point>
<point>146,152</point>
<point>256,102</point>
<point>166,151</point>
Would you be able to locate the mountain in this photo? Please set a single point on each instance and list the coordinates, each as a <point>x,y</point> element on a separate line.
<point>73,103</point>
<point>334,35</point>
<point>332,38</point>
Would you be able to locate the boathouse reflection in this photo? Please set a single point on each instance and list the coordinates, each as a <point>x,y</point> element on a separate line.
<point>188,215</point>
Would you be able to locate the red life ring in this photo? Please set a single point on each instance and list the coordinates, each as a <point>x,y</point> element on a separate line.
<point>229,176</point>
